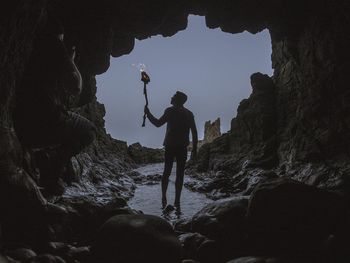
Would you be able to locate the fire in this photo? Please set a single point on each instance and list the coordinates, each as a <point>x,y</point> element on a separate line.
<point>140,66</point>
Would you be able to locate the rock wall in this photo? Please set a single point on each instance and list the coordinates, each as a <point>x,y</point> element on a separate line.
<point>304,133</point>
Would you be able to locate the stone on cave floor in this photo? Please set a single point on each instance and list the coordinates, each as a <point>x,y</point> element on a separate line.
<point>286,216</point>
<point>222,221</point>
<point>281,217</point>
<point>254,260</point>
<point>190,243</point>
<point>47,258</point>
<point>150,238</point>
<point>21,254</point>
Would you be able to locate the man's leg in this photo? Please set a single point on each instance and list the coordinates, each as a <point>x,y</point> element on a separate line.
<point>168,165</point>
<point>181,157</point>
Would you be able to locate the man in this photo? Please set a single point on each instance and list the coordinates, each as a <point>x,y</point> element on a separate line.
<point>42,119</point>
<point>179,123</point>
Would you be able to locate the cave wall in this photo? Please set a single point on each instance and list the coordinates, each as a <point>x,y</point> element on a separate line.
<point>310,61</point>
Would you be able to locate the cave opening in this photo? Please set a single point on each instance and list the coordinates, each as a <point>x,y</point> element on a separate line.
<point>284,166</point>
<point>212,67</point>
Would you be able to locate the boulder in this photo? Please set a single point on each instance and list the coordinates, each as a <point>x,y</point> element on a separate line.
<point>143,155</point>
<point>136,238</point>
<point>21,254</point>
<point>287,216</point>
<point>254,260</point>
<point>192,245</point>
<point>222,221</point>
<point>47,258</point>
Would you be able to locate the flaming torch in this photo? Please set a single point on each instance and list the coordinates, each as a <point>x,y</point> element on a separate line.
<point>145,79</point>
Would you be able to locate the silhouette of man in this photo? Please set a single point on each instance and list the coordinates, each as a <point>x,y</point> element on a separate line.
<point>179,123</point>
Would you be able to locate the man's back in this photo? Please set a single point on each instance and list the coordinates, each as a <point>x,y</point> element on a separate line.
<point>179,121</point>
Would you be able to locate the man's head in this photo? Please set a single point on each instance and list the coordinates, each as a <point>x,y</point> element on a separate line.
<point>178,99</point>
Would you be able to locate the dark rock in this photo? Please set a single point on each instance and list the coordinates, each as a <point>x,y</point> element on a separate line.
<point>253,260</point>
<point>209,251</point>
<point>68,252</point>
<point>143,155</point>
<point>21,254</point>
<point>287,216</point>
<point>190,243</point>
<point>224,222</point>
<point>4,259</point>
<point>87,213</point>
<point>151,239</point>
<point>47,258</point>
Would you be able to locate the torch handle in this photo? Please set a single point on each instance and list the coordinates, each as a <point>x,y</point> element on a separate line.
<point>146,98</point>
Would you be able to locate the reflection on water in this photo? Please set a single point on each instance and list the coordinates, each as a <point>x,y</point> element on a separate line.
<point>147,198</point>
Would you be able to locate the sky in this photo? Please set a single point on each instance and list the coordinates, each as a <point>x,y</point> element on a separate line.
<point>212,67</point>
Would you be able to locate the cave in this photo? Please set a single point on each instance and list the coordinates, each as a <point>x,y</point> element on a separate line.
<point>285,159</point>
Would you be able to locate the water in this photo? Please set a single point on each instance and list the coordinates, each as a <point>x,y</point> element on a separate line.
<point>147,197</point>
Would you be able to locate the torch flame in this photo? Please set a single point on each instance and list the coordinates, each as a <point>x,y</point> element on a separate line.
<point>140,66</point>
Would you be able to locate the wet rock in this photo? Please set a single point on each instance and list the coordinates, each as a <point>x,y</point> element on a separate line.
<point>47,258</point>
<point>209,251</point>
<point>68,252</point>
<point>190,243</point>
<point>253,260</point>
<point>79,253</point>
<point>287,216</point>
<point>148,179</point>
<point>143,155</point>
<point>151,238</point>
<point>4,259</point>
<point>224,219</point>
<point>87,213</point>
<point>223,184</point>
<point>22,254</point>
<point>224,222</point>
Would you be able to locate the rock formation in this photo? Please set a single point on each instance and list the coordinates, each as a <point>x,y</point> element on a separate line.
<point>142,155</point>
<point>211,132</point>
<point>295,124</point>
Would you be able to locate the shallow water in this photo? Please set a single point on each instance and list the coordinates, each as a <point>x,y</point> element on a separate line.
<point>147,198</point>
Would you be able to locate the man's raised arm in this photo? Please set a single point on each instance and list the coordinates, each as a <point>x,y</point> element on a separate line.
<point>156,122</point>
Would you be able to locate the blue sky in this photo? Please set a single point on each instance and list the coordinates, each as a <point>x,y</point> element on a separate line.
<point>210,66</point>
